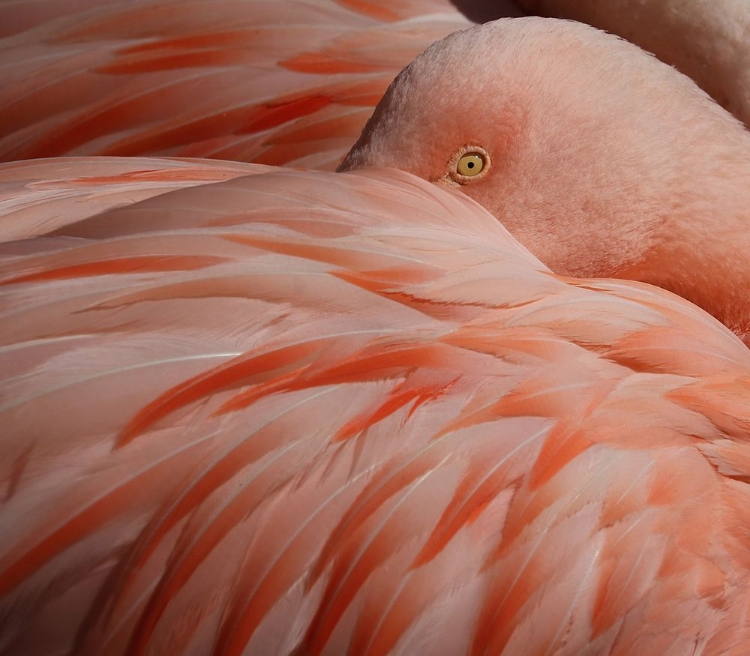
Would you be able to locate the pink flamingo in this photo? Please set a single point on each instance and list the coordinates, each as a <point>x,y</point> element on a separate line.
<point>248,410</point>
<point>601,160</point>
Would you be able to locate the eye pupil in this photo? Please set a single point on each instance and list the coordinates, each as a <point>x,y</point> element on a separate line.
<point>470,165</point>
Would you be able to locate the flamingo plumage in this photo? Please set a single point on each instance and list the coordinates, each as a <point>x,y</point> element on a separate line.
<point>253,410</point>
<point>295,412</point>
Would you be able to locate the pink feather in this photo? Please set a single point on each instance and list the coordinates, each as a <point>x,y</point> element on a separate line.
<point>295,412</point>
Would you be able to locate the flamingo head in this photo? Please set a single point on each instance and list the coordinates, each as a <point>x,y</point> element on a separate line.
<point>600,159</point>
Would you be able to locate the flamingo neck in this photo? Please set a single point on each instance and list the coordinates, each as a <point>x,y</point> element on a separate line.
<point>705,256</point>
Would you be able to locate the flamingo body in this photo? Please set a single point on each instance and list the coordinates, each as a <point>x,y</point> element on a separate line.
<point>253,411</point>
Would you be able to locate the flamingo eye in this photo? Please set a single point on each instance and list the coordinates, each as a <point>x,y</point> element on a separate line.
<point>470,164</point>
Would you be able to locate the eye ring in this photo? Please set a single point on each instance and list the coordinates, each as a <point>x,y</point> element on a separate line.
<point>469,164</point>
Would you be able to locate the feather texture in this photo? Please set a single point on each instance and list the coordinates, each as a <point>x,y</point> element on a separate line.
<point>309,413</point>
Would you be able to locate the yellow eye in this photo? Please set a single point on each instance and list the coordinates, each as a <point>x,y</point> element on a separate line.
<point>470,164</point>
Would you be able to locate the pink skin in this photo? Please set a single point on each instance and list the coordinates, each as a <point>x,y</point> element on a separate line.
<point>603,161</point>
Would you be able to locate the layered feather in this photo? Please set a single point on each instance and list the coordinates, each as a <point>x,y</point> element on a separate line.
<point>310,413</point>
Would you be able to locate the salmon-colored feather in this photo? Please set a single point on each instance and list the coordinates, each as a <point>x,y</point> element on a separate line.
<point>40,196</point>
<point>257,411</point>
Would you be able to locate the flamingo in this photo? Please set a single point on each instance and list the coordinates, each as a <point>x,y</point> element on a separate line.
<point>601,160</point>
<point>249,410</point>
<point>255,410</point>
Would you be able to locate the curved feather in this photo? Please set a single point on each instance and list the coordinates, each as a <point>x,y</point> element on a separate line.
<point>40,196</point>
<point>352,415</point>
